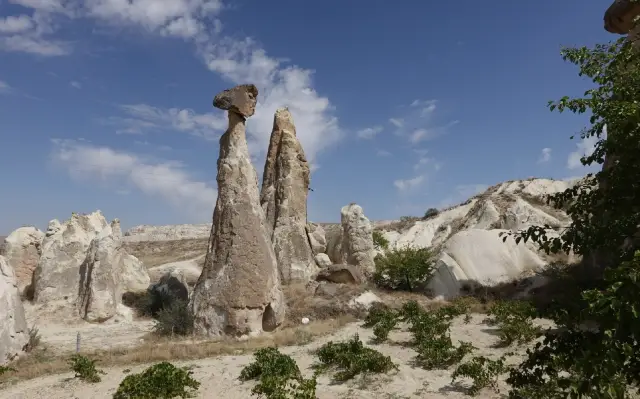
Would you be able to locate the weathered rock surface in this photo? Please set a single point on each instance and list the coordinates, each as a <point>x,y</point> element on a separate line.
<point>84,262</point>
<point>322,260</point>
<point>283,197</point>
<point>341,274</point>
<point>619,16</point>
<point>240,100</point>
<point>64,249</point>
<point>22,252</point>
<point>167,233</point>
<point>189,269</point>
<point>171,287</point>
<point>356,244</point>
<point>14,334</point>
<point>317,238</point>
<point>239,291</point>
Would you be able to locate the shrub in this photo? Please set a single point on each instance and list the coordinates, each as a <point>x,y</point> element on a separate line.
<point>278,376</point>
<point>484,373</point>
<point>85,368</point>
<point>351,358</point>
<point>6,369</point>
<point>379,241</point>
<point>513,319</point>
<point>34,340</point>
<point>431,212</point>
<point>404,269</point>
<point>439,352</point>
<point>162,380</point>
<point>175,318</point>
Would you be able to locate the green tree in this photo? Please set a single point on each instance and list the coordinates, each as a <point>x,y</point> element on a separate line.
<point>404,268</point>
<point>603,362</point>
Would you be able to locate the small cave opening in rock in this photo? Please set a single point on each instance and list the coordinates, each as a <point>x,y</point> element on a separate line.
<point>269,322</point>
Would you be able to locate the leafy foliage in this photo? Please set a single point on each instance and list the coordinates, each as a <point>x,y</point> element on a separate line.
<point>483,371</point>
<point>379,241</point>
<point>175,318</point>
<point>351,358</point>
<point>278,376</point>
<point>431,212</point>
<point>601,362</point>
<point>514,321</point>
<point>404,269</point>
<point>85,368</point>
<point>6,369</point>
<point>162,380</point>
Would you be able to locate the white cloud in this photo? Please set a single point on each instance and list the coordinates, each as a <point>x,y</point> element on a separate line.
<point>408,184</point>
<point>75,84</point>
<point>545,155</point>
<point>424,161</point>
<point>142,118</point>
<point>383,153</point>
<point>369,133</point>
<point>17,24</point>
<point>396,122</point>
<point>167,180</point>
<point>417,122</point>
<point>4,87</point>
<point>584,148</point>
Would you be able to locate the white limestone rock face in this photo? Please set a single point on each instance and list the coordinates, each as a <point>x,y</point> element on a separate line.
<point>480,256</point>
<point>22,252</point>
<point>238,293</point>
<point>167,233</point>
<point>356,247</point>
<point>317,238</point>
<point>322,260</point>
<point>64,249</point>
<point>190,269</point>
<point>14,334</point>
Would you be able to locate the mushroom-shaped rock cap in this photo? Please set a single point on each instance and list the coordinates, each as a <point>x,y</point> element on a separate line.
<point>619,16</point>
<point>240,99</point>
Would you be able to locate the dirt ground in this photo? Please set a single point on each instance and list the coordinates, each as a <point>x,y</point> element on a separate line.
<point>219,375</point>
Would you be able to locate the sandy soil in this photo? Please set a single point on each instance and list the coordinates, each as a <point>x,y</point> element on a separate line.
<point>219,376</point>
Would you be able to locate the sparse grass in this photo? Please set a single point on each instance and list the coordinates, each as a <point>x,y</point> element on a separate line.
<point>156,349</point>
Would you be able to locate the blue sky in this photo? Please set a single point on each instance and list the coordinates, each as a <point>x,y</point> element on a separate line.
<point>106,104</point>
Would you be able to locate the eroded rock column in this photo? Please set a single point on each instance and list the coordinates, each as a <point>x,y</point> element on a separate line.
<point>238,292</point>
<point>285,188</point>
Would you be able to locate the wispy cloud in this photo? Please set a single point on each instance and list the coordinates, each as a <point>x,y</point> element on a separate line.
<point>417,122</point>
<point>409,184</point>
<point>4,87</point>
<point>76,84</point>
<point>584,148</point>
<point>545,155</point>
<point>168,180</point>
<point>369,133</point>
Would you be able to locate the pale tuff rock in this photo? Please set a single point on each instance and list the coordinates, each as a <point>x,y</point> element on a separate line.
<point>14,334</point>
<point>283,197</point>
<point>238,291</point>
<point>190,269</point>
<point>167,233</point>
<point>322,260</point>
<point>22,252</point>
<point>240,100</point>
<point>317,238</point>
<point>356,247</point>
<point>341,274</point>
<point>83,262</point>
<point>64,249</point>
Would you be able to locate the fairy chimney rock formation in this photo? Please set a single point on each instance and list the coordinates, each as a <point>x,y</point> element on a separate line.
<point>356,247</point>
<point>285,187</point>
<point>238,292</point>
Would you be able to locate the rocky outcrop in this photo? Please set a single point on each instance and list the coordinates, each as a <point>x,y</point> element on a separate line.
<point>171,287</point>
<point>341,274</point>
<point>356,243</point>
<point>14,334</point>
<point>189,269</point>
<point>322,260</point>
<point>317,238</point>
<point>84,262</point>
<point>283,197</point>
<point>167,233</point>
<point>22,252</point>
<point>238,291</point>
<point>619,16</point>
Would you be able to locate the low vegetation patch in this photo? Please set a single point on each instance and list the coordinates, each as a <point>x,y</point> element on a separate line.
<point>431,212</point>
<point>515,322</point>
<point>174,319</point>
<point>406,269</point>
<point>162,380</point>
<point>379,241</point>
<point>351,358</point>
<point>482,371</point>
<point>278,376</point>
<point>85,368</point>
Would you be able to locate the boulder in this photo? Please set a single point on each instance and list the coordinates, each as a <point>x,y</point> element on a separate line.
<point>241,100</point>
<point>22,252</point>
<point>317,238</point>
<point>14,334</point>
<point>323,260</point>
<point>619,16</point>
<point>283,197</point>
<point>239,290</point>
<point>356,247</point>
<point>189,269</point>
<point>342,274</point>
<point>172,286</point>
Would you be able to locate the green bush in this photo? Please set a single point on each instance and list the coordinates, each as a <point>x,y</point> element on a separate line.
<point>6,369</point>
<point>85,368</point>
<point>162,380</point>
<point>484,373</point>
<point>431,212</point>
<point>278,376</point>
<point>379,241</point>
<point>175,318</point>
<point>351,358</point>
<point>514,321</point>
<point>406,269</point>
<point>439,352</point>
